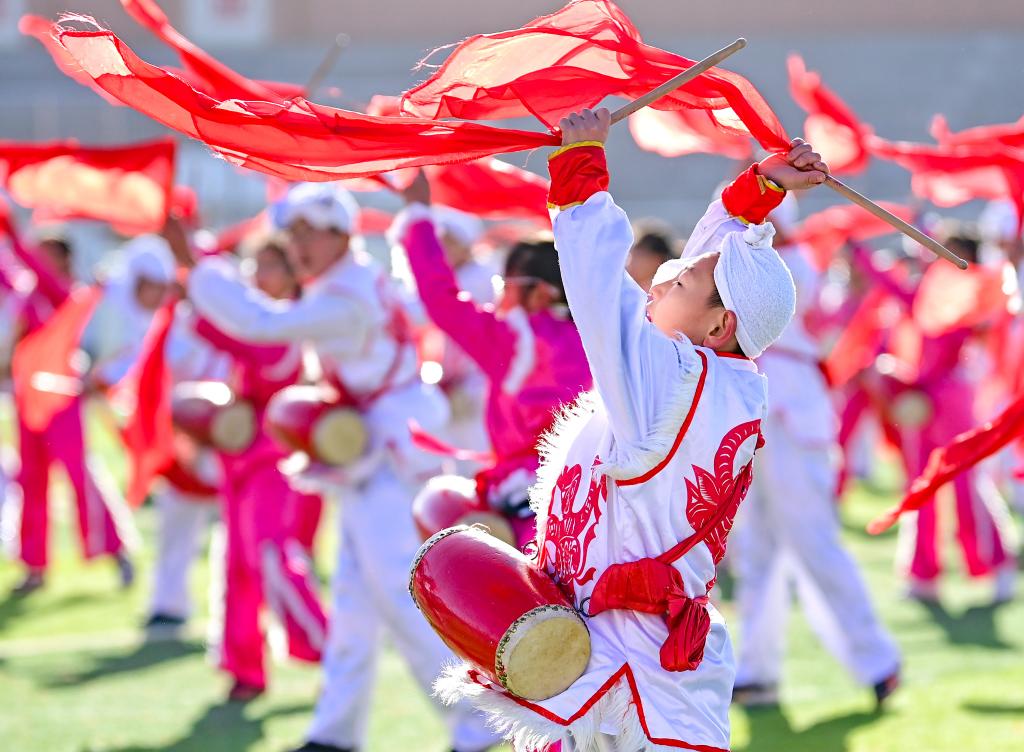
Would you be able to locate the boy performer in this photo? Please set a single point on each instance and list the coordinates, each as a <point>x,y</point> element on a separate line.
<point>658,460</point>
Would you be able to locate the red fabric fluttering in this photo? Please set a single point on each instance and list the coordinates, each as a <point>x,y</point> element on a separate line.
<point>827,231</point>
<point>202,70</point>
<point>41,29</point>
<point>676,133</point>
<point>46,379</point>
<point>573,59</point>
<point>490,189</point>
<point>295,140</point>
<point>128,186</point>
<point>951,175</point>
<point>651,586</point>
<point>949,298</point>
<point>861,339</point>
<point>963,453</point>
<point>1010,135</point>
<point>372,221</point>
<point>836,132</point>
<point>149,433</point>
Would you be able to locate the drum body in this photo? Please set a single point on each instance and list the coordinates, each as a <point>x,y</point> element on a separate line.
<point>311,419</point>
<point>210,414</point>
<point>494,608</point>
<point>451,500</point>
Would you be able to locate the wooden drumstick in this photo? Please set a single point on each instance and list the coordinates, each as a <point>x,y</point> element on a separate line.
<point>680,80</point>
<point>907,229</point>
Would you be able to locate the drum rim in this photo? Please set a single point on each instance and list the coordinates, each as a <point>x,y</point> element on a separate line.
<point>424,548</point>
<point>500,670</point>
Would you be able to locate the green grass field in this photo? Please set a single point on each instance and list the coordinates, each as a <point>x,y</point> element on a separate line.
<point>77,676</point>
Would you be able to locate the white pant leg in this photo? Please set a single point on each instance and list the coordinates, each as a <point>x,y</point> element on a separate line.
<point>762,589</point>
<point>801,508</point>
<point>342,713</point>
<point>380,529</point>
<point>181,523</point>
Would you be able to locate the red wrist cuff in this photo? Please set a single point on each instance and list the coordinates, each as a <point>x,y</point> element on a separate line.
<point>751,197</point>
<point>578,171</point>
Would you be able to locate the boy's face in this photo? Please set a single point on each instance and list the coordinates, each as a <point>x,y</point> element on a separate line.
<point>641,264</point>
<point>312,250</point>
<point>682,305</point>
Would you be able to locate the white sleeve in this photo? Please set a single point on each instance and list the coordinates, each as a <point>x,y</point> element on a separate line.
<point>712,227</point>
<point>638,371</point>
<point>244,312</point>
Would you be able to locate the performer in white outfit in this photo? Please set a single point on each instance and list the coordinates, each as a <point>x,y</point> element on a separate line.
<point>350,317</point>
<point>642,480</point>
<point>787,532</point>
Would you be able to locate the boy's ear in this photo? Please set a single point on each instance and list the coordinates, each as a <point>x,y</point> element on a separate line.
<point>723,332</point>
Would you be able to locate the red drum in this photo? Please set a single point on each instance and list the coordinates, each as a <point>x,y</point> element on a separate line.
<point>311,419</point>
<point>452,500</point>
<point>493,607</point>
<point>208,413</point>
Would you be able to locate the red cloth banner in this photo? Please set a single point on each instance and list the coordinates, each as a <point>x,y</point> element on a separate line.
<point>574,58</point>
<point>827,231</point>
<point>46,379</point>
<point>836,132</point>
<point>1010,135</point>
<point>676,133</point>
<point>128,186</point>
<point>296,140</point>
<point>41,29</point>
<point>949,298</point>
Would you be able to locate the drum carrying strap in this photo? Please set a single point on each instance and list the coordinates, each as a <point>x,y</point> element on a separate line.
<point>654,586</point>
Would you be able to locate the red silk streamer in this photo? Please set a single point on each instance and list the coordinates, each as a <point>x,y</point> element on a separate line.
<point>491,189</point>
<point>836,132</point>
<point>296,140</point>
<point>964,298</point>
<point>46,379</point>
<point>41,29</point>
<point>573,59</point>
<point>945,463</point>
<point>149,433</point>
<point>827,231</point>
<point>676,133</point>
<point>859,343</point>
<point>202,70</point>
<point>128,186</point>
<point>1010,135</point>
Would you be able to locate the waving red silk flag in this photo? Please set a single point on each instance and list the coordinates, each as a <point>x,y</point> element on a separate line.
<point>861,339</point>
<point>945,463</point>
<point>296,140</point>
<point>46,379</point>
<point>202,70</point>
<point>964,298</point>
<point>573,59</point>
<point>949,176</point>
<point>830,229</point>
<point>149,433</point>
<point>129,186</point>
<point>1010,135</point>
<point>836,132</point>
<point>676,133</point>
<point>491,189</point>
<point>41,29</point>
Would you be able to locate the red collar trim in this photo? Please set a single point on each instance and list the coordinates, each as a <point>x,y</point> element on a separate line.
<point>737,356</point>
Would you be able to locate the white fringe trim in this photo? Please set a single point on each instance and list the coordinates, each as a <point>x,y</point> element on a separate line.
<point>525,729</point>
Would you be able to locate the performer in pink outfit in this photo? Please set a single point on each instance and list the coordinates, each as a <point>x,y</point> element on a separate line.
<point>62,441</point>
<point>266,565</point>
<point>528,348</point>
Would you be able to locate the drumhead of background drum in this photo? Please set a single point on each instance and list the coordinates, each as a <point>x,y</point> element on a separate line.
<point>543,653</point>
<point>234,427</point>
<point>339,437</point>
<point>493,523</point>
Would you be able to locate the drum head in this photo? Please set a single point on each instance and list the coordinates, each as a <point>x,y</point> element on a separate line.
<point>493,523</point>
<point>339,437</point>
<point>543,653</point>
<point>234,427</point>
<point>911,409</point>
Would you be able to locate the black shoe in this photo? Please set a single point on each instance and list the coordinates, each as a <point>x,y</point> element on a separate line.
<point>33,581</point>
<point>125,569</point>
<point>886,687</point>
<point>755,695</point>
<point>242,692</point>
<point>318,747</point>
<point>158,620</point>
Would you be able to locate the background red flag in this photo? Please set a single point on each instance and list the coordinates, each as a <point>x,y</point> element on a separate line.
<point>296,140</point>
<point>149,433</point>
<point>1010,135</point>
<point>46,379</point>
<point>861,339</point>
<point>491,189</point>
<point>965,298</point>
<point>836,132</point>
<point>676,133</point>
<point>830,229</point>
<point>574,58</point>
<point>945,463</point>
<point>202,70</point>
<point>129,186</point>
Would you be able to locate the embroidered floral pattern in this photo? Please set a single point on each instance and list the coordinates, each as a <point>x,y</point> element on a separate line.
<point>566,527</point>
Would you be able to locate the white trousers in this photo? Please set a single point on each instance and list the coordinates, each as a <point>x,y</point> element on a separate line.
<point>786,534</point>
<point>369,594</point>
<point>181,526</point>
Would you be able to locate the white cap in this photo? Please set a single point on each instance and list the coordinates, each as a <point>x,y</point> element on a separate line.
<point>465,228</point>
<point>149,257</point>
<point>324,205</point>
